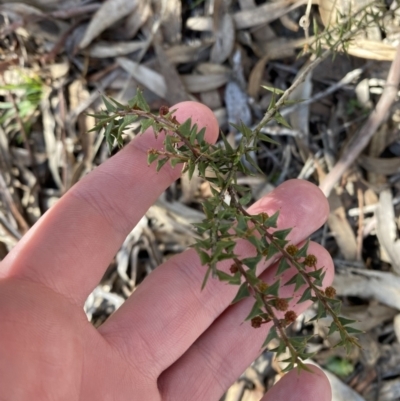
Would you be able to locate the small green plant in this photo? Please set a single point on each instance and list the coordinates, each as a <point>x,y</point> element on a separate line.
<point>226,219</point>
<point>227,222</point>
<point>339,366</point>
<point>23,101</point>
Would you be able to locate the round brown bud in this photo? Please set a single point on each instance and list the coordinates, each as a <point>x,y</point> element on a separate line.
<point>330,292</point>
<point>256,322</point>
<point>164,110</point>
<point>292,250</point>
<point>233,269</point>
<point>310,260</point>
<point>290,316</point>
<point>281,304</point>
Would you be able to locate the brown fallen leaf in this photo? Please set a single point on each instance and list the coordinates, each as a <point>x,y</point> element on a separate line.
<point>224,39</point>
<point>380,165</point>
<point>138,18</point>
<point>110,12</point>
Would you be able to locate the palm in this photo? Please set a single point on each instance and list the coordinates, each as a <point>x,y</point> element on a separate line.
<point>169,341</point>
<point>57,353</point>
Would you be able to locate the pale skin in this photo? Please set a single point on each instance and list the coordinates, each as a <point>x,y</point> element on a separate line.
<point>169,341</point>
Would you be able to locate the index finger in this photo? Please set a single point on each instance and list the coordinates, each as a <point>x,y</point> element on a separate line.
<point>70,247</point>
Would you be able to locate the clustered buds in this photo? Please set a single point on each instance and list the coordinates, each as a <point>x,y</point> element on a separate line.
<point>234,269</point>
<point>310,260</point>
<point>290,316</point>
<point>164,110</point>
<point>256,322</point>
<point>185,143</point>
<point>330,292</point>
<point>292,249</point>
<point>281,304</point>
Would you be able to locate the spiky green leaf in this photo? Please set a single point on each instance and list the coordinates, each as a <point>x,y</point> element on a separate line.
<point>242,293</point>
<point>273,289</point>
<point>297,280</point>
<point>306,295</point>
<point>255,311</point>
<point>283,266</point>
<point>161,163</point>
<point>271,336</point>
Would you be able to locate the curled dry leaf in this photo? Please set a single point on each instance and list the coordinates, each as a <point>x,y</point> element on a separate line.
<point>224,39</point>
<point>385,166</point>
<point>371,49</point>
<point>264,14</point>
<point>256,76</point>
<point>17,10</point>
<point>186,53</point>
<point>110,12</point>
<point>249,18</point>
<point>236,104</point>
<point>52,149</point>
<point>340,226</point>
<point>200,24</point>
<point>103,49</point>
<point>175,88</point>
<point>145,76</point>
<point>171,24</point>
<point>386,228</point>
<point>138,18</point>
<point>300,117</point>
<point>201,83</point>
<point>367,284</point>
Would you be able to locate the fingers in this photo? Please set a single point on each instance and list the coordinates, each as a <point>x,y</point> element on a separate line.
<point>168,312</point>
<point>229,346</point>
<point>303,386</point>
<point>70,247</point>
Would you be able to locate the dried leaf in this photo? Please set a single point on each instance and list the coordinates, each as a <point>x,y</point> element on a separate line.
<point>256,76</point>
<point>111,11</point>
<point>145,76</point>
<point>236,104</point>
<point>300,117</point>
<point>373,50</point>
<point>176,91</point>
<point>138,18</point>
<point>380,165</point>
<point>387,229</point>
<point>264,14</point>
<point>201,83</point>
<point>50,140</point>
<point>224,39</point>
<point>186,53</point>
<point>104,49</point>
<point>340,227</point>
<point>171,24</point>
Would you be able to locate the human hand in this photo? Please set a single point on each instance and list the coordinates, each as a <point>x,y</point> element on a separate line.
<point>169,341</point>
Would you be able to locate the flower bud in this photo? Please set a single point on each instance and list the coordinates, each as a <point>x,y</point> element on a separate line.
<point>292,250</point>
<point>256,322</point>
<point>281,304</point>
<point>330,292</point>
